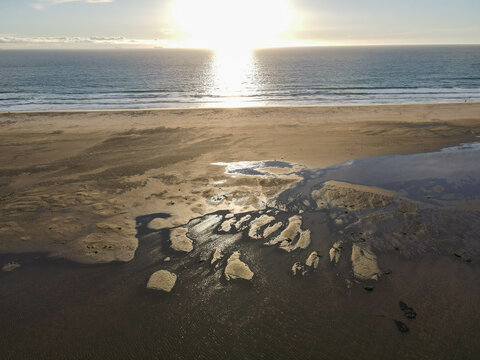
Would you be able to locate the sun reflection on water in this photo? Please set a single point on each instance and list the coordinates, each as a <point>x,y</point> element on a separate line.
<point>234,77</point>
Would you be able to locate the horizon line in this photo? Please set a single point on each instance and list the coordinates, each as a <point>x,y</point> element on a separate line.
<point>254,49</point>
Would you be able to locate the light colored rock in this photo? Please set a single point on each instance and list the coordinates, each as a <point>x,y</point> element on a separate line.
<point>10,266</point>
<point>237,269</point>
<point>241,224</point>
<point>304,240</point>
<point>313,260</point>
<point>271,229</point>
<point>167,259</point>
<point>335,252</point>
<point>258,223</point>
<point>180,241</point>
<point>364,262</point>
<point>287,237</point>
<point>298,268</point>
<point>334,255</point>
<point>353,197</point>
<point>217,255</point>
<point>162,280</point>
<point>227,225</point>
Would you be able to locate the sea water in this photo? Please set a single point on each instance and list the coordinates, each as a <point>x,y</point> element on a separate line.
<point>173,78</point>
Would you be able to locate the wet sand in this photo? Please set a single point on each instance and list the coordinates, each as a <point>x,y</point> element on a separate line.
<point>80,189</point>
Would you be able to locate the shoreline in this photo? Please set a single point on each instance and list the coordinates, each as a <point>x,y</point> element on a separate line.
<point>256,107</point>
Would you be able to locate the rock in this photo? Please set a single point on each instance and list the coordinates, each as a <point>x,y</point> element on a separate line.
<point>162,280</point>
<point>287,237</point>
<point>304,240</point>
<point>10,266</point>
<point>237,269</point>
<point>313,260</point>
<point>271,229</point>
<point>241,224</point>
<point>217,255</point>
<point>180,241</point>
<point>356,197</point>
<point>401,326</point>
<point>364,262</point>
<point>257,224</point>
<point>349,283</point>
<point>167,259</point>
<point>407,310</point>
<point>298,268</point>
<point>368,288</point>
<point>335,252</point>
<point>227,225</point>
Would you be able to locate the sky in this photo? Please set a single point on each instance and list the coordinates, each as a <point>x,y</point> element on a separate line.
<point>235,23</point>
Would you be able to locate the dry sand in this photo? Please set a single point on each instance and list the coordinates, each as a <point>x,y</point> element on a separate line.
<point>74,182</point>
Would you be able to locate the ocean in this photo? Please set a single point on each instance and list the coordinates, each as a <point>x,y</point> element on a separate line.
<point>172,78</point>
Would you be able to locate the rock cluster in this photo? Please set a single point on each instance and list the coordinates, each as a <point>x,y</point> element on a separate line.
<point>258,223</point>
<point>293,231</point>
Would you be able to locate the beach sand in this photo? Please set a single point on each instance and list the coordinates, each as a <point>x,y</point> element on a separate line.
<point>109,167</point>
<point>75,184</point>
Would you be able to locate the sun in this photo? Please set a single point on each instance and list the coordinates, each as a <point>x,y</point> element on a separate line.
<point>231,24</point>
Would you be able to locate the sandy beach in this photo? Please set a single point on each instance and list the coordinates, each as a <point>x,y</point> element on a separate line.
<point>80,190</point>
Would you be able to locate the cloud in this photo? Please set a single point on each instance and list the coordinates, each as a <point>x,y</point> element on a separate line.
<point>12,41</point>
<point>42,4</point>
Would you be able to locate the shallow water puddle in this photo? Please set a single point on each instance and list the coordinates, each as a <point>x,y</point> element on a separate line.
<point>259,168</point>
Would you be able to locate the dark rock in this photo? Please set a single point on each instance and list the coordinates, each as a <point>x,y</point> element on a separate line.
<point>387,272</point>
<point>368,288</point>
<point>407,310</point>
<point>401,326</point>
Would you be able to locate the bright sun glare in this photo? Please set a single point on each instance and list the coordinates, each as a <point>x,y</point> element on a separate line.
<point>232,24</point>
